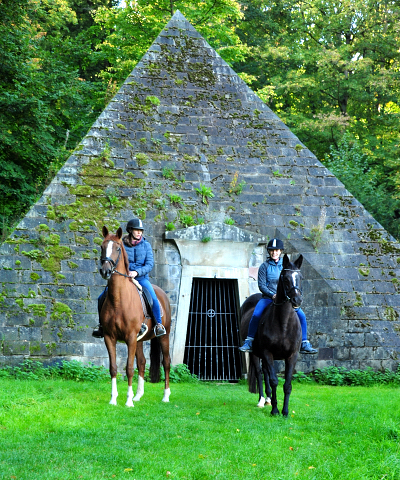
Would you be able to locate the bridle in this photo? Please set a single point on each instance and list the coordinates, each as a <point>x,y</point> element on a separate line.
<point>113,263</point>
<point>293,287</point>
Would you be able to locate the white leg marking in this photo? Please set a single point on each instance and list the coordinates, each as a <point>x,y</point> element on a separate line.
<point>129,397</point>
<point>268,401</point>
<point>261,403</point>
<point>140,389</point>
<point>167,393</point>
<point>114,392</point>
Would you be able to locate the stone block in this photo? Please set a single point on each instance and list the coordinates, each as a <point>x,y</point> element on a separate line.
<point>30,334</point>
<point>354,339</point>
<point>9,334</point>
<point>15,347</point>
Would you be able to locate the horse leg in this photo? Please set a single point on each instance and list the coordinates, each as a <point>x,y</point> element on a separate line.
<point>129,368</point>
<point>273,381</point>
<point>164,341</point>
<point>287,386</point>
<point>256,363</point>
<point>267,385</point>
<point>112,355</point>
<point>141,365</point>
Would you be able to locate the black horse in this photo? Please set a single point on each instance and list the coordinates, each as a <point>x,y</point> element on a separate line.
<point>278,336</point>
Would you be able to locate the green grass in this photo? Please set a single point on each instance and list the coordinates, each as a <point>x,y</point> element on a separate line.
<point>63,429</point>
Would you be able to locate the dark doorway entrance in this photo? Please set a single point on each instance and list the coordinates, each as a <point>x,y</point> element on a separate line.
<point>212,337</point>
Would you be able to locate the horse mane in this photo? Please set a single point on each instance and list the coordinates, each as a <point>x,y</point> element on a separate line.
<point>126,260</point>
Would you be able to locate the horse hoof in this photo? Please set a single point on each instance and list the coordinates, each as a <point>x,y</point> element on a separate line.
<point>129,404</point>
<point>113,402</point>
<point>261,403</point>
<point>167,393</point>
<point>268,401</point>
<point>137,398</point>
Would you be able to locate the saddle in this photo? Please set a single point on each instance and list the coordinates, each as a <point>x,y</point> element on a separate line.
<point>147,302</point>
<point>145,299</point>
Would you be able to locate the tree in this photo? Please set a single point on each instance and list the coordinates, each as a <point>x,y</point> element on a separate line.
<point>134,27</point>
<point>328,67</point>
<point>46,103</point>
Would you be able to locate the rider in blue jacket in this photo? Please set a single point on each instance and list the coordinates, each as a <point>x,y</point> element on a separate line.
<point>268,276</point>
<point>141,262</point>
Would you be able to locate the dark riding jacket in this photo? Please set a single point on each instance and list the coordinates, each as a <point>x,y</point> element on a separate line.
<point>140,257</point>
<point>268,276</point>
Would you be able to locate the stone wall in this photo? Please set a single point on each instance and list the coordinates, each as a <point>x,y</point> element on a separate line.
<point>184,124</point>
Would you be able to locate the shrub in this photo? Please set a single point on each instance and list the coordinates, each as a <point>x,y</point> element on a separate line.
<point>364,378</point>
<point>69,370</point>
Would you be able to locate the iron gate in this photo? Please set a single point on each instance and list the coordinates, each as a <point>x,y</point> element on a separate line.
<point>212,340</point>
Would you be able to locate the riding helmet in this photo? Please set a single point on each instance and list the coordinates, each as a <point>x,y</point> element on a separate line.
<point>275,244</point>
<point>134,224</point>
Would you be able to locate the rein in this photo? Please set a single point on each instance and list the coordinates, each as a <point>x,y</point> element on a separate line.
<point>287,298</point>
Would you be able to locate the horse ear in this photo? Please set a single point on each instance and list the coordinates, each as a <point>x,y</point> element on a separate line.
<point>105,231</point>
<point>119,233</point>
<point>286,261</point>
<point>299,261</point>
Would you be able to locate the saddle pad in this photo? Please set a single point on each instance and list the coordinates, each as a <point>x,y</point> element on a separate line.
<point>146,313</point>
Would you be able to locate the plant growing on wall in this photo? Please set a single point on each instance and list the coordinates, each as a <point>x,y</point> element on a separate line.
<point>175,199</point>
<point>205,193</point>
<point>235,187</point>
<point>315,236</point>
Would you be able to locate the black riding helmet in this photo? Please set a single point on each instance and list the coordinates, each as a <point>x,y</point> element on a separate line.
<point>275,244</point>
<point>134,224</point>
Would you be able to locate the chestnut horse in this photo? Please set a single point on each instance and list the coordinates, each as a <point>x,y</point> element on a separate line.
<point>121,317</point>
<point>279,333</point>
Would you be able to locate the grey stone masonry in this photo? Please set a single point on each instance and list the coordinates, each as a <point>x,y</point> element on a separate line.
<point>186,142</point>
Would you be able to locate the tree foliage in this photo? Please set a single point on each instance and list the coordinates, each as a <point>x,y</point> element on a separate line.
<point>137,25</point>
<point>46,103</point>
<point>330,67</point>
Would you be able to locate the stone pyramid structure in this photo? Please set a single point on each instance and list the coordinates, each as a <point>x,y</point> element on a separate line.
<point>188,147</point>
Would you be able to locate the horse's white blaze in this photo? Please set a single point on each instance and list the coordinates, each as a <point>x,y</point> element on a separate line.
<point>167,393</point>
<point>109,249</point>
<point>140,389</point>
<point>261,403</point>
<point>114,391</point>
<point>129,397</point>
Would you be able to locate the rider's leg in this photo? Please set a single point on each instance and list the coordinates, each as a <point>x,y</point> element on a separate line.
<point>159,328</point>
<point>98,333</point>
<point>303,323</point>
<point>306,346</point>
<point>253,324</point>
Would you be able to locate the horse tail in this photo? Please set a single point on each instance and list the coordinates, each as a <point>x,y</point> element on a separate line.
<point>252,377</point>
<point>155,360</point>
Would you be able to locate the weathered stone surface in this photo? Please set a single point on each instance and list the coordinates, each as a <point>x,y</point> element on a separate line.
<point>182,121</point>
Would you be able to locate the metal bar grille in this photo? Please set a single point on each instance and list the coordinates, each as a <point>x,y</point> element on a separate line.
<point>212,337</point>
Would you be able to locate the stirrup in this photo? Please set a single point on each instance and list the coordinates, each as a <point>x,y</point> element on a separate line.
<point>142,332</point>
<point>159,330</point>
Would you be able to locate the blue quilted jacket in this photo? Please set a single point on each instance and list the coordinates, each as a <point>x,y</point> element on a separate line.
<point>140,257</point>
<point>268,276</point>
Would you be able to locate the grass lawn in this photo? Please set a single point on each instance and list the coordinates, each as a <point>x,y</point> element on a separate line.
<point>59,429</point>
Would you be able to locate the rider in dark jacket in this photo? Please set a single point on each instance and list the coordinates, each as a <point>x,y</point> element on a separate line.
<point>268,276</point>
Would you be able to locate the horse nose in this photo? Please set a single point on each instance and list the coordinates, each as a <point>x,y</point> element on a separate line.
<point>297,301</point>
<point>105,273</point>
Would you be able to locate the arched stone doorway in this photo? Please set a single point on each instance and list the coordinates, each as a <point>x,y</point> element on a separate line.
<point>215,256</point>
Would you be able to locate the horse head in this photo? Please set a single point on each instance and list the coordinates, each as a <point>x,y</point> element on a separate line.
<point>111,250</point>
<point>290,281</point>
